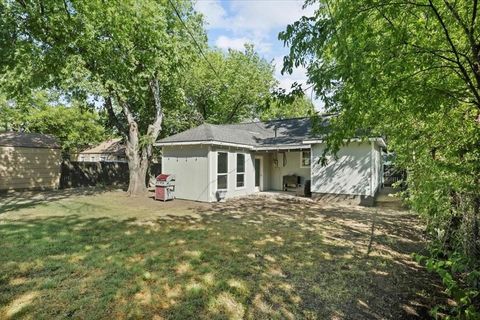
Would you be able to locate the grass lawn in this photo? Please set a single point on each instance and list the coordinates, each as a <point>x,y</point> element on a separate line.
<point>106,256</point>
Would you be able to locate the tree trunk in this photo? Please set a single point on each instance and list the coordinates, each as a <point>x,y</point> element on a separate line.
<point>137,166</point>
<point>139,156</point>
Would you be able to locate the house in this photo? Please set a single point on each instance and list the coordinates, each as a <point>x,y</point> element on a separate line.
<point>108,151</point>
<point>29,161</point>
<point>245,158</point>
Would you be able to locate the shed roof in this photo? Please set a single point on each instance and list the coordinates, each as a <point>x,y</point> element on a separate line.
<point>28,140</point>
<point>112,146</point>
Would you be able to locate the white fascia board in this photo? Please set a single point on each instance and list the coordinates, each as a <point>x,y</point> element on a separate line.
<point>380,141</point>
<point>273,148</point>
<point>206,142</point>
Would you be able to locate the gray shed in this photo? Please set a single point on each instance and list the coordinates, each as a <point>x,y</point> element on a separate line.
<point>29,161</point>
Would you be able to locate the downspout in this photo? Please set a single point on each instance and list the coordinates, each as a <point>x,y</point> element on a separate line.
<point>372,165</point>
<point>209,179</point>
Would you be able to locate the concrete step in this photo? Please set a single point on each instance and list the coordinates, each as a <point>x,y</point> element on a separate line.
<point>387,198</point>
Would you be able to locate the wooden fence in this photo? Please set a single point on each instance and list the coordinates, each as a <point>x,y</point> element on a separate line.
<point>76,174</point>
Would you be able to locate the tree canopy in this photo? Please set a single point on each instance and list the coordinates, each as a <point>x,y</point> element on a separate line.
<point>130,54</point>
<point>228,87</point>
<point>76,126</point>
<point>409,70</point>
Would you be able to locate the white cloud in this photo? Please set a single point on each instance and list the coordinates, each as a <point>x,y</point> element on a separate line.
<point>224,42</point>
<point>252,19</point>
<point>215,15</point>
<point>265,16</point>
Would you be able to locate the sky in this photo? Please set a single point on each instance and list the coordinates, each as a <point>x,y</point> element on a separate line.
<point>232,23</point>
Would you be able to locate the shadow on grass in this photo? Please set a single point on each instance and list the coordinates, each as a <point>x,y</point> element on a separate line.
<point>258,259</point>
<point>15,201</point>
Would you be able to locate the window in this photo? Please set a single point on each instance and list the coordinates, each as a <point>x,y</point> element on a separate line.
<point>82,158</point>
<point>305,159</point>
<point>92,158</point>
<point>240,170</point>
<point>103,158</point>
<point>222,171</point>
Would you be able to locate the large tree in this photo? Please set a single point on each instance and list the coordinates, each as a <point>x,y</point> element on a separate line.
<point>409,70</point>
<point>127,54</point>
<point>229,87</point>
<point>76,125</point>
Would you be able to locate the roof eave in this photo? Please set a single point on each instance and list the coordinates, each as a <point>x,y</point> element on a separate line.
<point>379,140</point>
<point>203,142</point>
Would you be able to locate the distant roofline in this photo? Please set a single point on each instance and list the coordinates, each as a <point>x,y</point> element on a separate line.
<point>326,114</point>
<point>94,150</point>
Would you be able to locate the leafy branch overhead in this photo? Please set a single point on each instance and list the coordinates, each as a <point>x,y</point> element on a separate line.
<point>408,70</point>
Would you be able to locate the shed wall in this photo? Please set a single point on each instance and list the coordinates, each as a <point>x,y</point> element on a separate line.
<point>190,166</point>
<point>29,168</point>
<point>350,174</point>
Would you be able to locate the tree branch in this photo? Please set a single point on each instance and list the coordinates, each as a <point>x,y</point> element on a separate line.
<point>474,15</point>
<point>464,72</point>
<point>113,117</point>
<point>155,128</point>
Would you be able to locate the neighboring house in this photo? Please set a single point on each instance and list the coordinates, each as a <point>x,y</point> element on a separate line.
<point>110,151</point>
<point>29,161</point>
<point>259,156</point>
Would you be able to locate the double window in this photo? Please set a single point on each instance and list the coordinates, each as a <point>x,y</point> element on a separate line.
<point>240,170</point>
<point>222,171</point>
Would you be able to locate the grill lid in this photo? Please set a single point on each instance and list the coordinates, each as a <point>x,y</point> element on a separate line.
<point>165,177</point>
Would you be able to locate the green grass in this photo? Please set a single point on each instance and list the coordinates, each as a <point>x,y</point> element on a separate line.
<point>79,257</point>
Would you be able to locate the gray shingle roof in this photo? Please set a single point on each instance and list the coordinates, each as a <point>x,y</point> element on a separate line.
<point>289,132</point>
<point>28,140</point>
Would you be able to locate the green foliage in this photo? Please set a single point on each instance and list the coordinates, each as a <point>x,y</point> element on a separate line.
<point>231,86</point>
<point>129,54</point>
<point>278,108</point>
<point>104,49</point>
<point>409,71</point>
<point>75,125</point>
<point>461,285</point>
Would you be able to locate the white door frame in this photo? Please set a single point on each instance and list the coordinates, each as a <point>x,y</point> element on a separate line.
<point>260,187</point>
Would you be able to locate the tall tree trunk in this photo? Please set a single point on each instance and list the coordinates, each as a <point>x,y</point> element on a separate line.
<point>139,156</point>
<point>137,165</point>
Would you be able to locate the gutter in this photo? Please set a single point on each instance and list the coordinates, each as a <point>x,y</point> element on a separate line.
<point>379,140</point>
<point>306,144</point>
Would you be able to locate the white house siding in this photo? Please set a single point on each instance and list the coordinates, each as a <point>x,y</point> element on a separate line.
<point>377,167</point>
<point>232,190</point>
<point>267,170</point>
<point>96,157</point>
<point>190,166</point>
<point>350,174</point>
<point>291,167</point>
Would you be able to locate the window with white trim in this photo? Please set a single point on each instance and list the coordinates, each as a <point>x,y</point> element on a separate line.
<point>92,158</point>
<point>222,171</point>
<point>240,170</point>
<point>305,159</point>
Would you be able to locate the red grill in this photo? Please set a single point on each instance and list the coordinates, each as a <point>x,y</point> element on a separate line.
<point>165,187</point>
